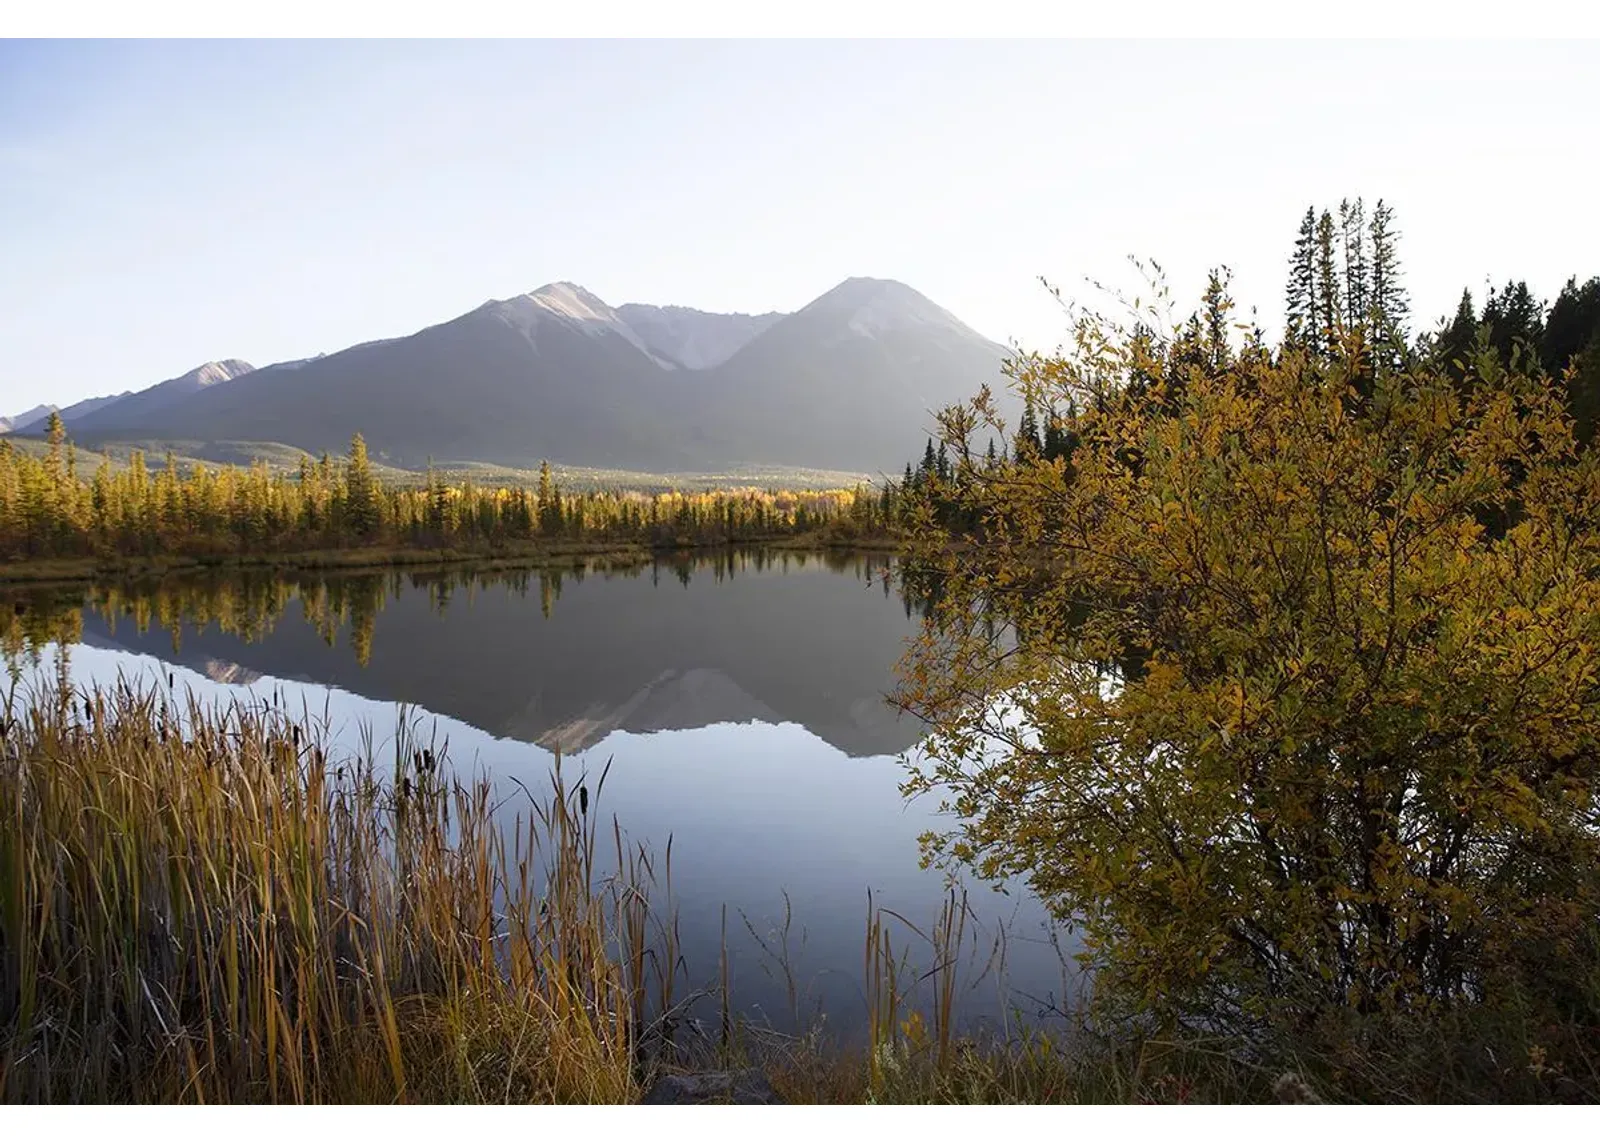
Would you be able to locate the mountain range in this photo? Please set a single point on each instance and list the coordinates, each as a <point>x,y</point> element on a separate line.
<point>849,382</point>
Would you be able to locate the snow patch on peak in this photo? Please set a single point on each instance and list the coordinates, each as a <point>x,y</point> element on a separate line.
<point>573,303</point>
<point>572,306</point>
<point>215,372</point>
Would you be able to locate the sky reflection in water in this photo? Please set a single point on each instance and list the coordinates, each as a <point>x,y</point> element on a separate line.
<point>742,715</point>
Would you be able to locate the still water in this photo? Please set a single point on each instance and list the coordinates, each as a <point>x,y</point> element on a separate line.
<point>740,702</point>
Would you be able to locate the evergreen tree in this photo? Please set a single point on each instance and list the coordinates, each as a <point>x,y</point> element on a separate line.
<point>1328,308</point>
<point>549,523</point>
<point>1028,440</point>
<point>56,435</point>
<point>361,502</point>
<point>1515,320</point>
<point>1583,392</point>
<point>1386,294</point>
<point>1300,299</point>
<point>1352,236</point>
<point>1572,324</point>
<point>1452,348</point>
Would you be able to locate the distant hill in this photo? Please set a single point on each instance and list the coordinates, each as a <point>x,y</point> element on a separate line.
<point>128,408</point>
<point>850,383</point>
<point>21,421</point>
<point>33,421</point>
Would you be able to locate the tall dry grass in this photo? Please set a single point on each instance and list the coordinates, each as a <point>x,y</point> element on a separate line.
<point>202,903</point>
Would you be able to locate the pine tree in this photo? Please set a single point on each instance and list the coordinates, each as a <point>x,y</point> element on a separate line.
<point>1386,295</point>
<point>1572,324</point>
<point>1328,308</point>
<point>549,521</point>
<point>1353,238</point>
<point>1300,299</point>
<point>1028,440</point>
<point>1515,320</point>
<point>56,435</point>
<point>1452,348</point>
<point>361,507</point>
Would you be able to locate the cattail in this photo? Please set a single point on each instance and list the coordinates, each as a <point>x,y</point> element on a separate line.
<point>1290,1088</point>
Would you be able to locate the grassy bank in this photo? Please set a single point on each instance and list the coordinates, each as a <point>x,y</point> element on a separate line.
<point>533,555</point>
<point>203,904</point>
<point>542,554</point>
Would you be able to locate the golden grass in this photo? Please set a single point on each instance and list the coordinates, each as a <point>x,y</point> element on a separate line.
<point>203,905</point>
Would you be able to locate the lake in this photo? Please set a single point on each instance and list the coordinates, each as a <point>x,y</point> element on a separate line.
<point>739,700</point>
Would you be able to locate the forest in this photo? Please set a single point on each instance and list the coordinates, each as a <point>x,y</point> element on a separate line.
<point>50,510</point>
<point>1345,281</point>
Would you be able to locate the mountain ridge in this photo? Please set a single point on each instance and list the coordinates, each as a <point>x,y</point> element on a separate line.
<point>849,381</point>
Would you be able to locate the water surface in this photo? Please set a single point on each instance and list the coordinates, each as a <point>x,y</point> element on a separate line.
<point>740,703</point>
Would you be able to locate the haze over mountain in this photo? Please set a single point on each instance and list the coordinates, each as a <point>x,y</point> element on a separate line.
<point>693,339</point>
<point>849,382</point>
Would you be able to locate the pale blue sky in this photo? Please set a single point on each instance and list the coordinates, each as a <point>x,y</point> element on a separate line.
<point>164,204</point>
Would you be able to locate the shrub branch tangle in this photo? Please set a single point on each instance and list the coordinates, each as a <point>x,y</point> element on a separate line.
<point>1284,680</point>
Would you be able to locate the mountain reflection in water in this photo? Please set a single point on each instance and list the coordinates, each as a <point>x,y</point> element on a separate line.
<point>741,702</point>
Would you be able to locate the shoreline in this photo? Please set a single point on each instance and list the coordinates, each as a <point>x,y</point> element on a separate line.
<point>46,572</point>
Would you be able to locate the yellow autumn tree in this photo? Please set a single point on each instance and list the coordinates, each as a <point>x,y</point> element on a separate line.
<point>1283,683</point>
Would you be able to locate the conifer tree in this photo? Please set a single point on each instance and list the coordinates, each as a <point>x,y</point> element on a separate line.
<point>1452,348</point>
<point>1353,238</point>
<point>1300,300</point>
<point>1386,295</point>
<point>1571,325</point>
<point>361,506</point>
<point>1329,310</point>
<point>1515,320</point>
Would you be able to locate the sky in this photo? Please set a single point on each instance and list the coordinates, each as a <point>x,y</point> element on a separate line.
<point>167,203</point>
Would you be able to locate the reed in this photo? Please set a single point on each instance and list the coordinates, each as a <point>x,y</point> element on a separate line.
<point>202,903</point>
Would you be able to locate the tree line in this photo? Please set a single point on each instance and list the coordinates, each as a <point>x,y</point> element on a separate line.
<point>1345,297</point>
<point>50,509</point>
